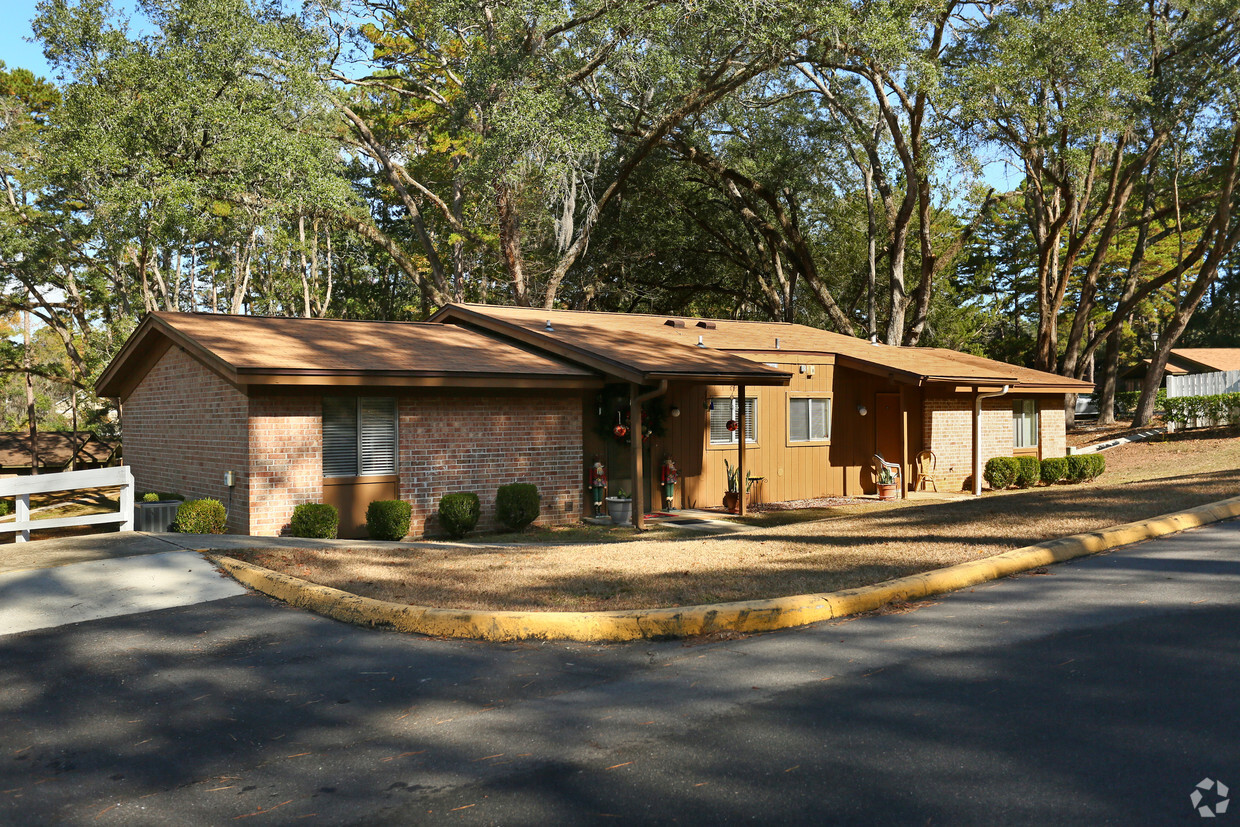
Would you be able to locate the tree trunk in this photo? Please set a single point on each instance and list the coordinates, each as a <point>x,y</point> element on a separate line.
<point>510,242</point>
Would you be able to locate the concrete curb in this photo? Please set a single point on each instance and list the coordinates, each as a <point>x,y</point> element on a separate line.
<point>687,621</point>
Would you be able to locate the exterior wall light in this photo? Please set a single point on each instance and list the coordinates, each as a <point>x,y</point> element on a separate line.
<point>862,410</point>
<point>674,411</point>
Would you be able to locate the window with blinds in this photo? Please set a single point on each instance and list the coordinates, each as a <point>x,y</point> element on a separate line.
<point>809,419</point>
<point>724,409</point>
<point>1024,423</point>
<point>359,436</point>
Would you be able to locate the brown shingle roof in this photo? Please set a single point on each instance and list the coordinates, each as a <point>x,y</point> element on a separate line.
<point>262,350</point>
<point>1210,358</point>
<point>649,344</point>
<point>55,448</point>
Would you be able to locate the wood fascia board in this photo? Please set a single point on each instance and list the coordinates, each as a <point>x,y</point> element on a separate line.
<point>132,356</point>
<point>723,378</point>
<point>769,355</point>
<point>876,369</point>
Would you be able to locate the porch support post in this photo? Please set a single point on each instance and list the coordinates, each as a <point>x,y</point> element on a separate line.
<point>904,460</point>
<point>635,438</point>
<point>740,446</point>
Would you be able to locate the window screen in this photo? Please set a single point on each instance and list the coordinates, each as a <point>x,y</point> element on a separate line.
<point>1024,423</point>
<point>724,409</point>
<point>359,436</point>
<point>809,419</point>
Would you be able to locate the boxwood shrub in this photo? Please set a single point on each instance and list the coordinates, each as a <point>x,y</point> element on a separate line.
<point>1054,469</point>
<point>459,512</point>
<point>1000,472</point>
<point>206,516</point>
<point>517,504</point>
<point>320,521</point>
<point>1079,467</point>
<point>1097,465</point>
<point>1028,471</point>
<point>388,519</point>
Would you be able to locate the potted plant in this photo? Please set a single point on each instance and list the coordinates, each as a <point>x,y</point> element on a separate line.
<point>732,497</point>
<point>888,482</point>
<point>620,507</point>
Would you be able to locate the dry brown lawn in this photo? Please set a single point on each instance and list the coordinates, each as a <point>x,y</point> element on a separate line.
<point>863,544</point>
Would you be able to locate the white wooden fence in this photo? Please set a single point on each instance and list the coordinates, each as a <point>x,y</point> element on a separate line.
<point>1203,384</point>
<point>20,488</point>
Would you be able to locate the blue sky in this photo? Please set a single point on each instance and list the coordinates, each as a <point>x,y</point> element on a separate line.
<point>14,50</point>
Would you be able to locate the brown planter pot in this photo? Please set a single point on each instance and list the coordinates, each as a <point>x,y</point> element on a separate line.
<point>889,492</point>
<point>732,502</point>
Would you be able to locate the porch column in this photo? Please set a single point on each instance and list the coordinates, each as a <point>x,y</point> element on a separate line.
<point>740,444</point>
<point>904,458</point>
<point>635,435</point>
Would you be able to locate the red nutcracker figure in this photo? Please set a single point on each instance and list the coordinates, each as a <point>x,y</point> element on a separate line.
<point>598,483</point>
<point>669,476</point>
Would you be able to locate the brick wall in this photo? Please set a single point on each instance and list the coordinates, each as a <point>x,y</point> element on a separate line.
<point>286,458</point>
<point>183,427</point>
<point>478,443</point>
<point>948,431</point>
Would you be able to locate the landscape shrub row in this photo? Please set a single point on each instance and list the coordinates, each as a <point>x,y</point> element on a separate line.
<point>516,506</point>
<point>1023,472</point>
<point>1220,408</point>
<point>1126,402</point>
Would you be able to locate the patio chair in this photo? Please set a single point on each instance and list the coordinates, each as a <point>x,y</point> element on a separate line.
<point>925,464</point>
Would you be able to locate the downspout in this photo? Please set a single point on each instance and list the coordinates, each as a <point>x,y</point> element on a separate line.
<point>977,437</point>
<point>635,423</point>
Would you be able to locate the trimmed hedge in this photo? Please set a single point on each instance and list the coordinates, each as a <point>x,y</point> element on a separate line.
<point>1098,465</point>
<point>1054,469</point>
<point>1126,401</point>
<point>159,497</point>
<point>1000,472</point>
<point>458,513</point>
<point>517,504</point>
<point>388,519</point>
<point>205,516</point>
<point>1079,467</point>
<point>319,521</point>
<point>1223,408</point>
<point>1028,472</point>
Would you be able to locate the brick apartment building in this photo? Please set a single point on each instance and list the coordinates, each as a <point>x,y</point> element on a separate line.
<point>347,412</point>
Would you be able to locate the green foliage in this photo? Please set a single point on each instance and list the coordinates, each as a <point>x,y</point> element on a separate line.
<point>205,516</point>
<point>317,520</point>
<point>6,507</point>
<point>1097,465</point>
<point>517,504</point>
<point>1126,402</point>
<point>1000,472</point>
<point>1223,408</point>
<point>1028,472</point>
<point>388,519</point>
<point>1080,466</point>
<point>1054,469</point>
<point>459,512</point>
<point>150,497</point>
<point>159,497</point>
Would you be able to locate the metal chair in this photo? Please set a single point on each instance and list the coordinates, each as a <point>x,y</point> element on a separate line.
<point>925,464</point>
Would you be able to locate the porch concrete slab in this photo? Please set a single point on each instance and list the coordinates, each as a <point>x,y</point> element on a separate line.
<point>63,551</point>
<point>72,593</point>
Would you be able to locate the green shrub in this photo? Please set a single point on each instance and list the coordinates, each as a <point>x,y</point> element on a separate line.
<point>388,519</point>
<point>1079,466</point>
<point>517,504</point>
<point>158,497</point>
<point>1097,465</point>
<point>1000,472</point>
<point>150,497</point>
<point>6,507</point>
<point>1054,469</point>
<point>458,513</point>
<point>1028,471</point>
<point>206,516</point>
<point>317,520</point>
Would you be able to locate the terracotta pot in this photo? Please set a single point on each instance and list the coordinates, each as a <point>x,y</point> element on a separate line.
<point>732,502</point>
<point>889,492</point>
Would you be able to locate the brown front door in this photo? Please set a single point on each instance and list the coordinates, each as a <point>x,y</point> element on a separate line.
<point>888,423</point>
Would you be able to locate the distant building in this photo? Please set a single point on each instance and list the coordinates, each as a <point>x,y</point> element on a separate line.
<point>56,449</point>
<point>1183,361</point>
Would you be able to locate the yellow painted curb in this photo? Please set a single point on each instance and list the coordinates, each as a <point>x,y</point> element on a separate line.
<point>743,616</point>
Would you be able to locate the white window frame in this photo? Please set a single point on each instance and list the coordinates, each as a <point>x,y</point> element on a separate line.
<point>1022,409</point>
<point>359,426</point>
<point>810,398</point>
<point>751,421</point>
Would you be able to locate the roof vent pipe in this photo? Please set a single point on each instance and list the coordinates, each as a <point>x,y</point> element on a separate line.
<point>873,338</point>
<point>700,342</point>
<point>549,327</point>
<point>777,343</point>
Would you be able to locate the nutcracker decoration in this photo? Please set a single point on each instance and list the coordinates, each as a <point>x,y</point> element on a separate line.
<point>598,484</point>
<point>669,476</point>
